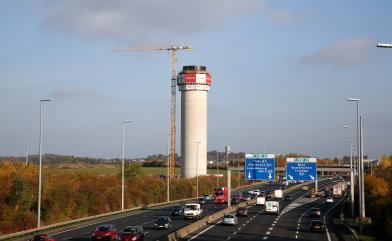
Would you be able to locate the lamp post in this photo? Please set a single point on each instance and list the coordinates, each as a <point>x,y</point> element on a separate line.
<point>351,178</point>
<point>217,168</point>
<point>27,155</point>
<point>197,168</point>
<point>362,198</point>
<point>122,163</point>
<point>382,45</point>
<point>40,162</point>
<point>168,169</point>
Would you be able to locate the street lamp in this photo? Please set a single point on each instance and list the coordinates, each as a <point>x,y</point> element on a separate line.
<point>168,169</point>
<point>197,168</point>
<point>41,101</point>
<point>358,141</point>
<point>217,168</point>
<point>360,163</point>
<point>122,163</point>
<point>382,45</point>
<point>351,178</point>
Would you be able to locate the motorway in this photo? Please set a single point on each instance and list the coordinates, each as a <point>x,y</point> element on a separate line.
<point>291,224</point>
<point>146,219</point>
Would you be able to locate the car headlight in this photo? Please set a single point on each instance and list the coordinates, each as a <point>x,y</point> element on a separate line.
<point>155,224</point>
<point>134,238</point>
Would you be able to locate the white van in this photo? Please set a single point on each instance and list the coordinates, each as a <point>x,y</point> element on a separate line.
<point>278,193</point>
<point>260,201</point>
<point>272,207</point>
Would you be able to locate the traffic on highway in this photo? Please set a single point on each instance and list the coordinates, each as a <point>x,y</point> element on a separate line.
<point>275,215</point>
<point>157,223</point>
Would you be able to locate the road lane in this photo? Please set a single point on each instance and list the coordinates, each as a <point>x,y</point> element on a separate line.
<point>253,227</point>
<point>146,219</point>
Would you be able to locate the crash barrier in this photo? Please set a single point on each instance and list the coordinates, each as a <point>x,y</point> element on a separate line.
<point>95,218</point>
<point>213,218</point>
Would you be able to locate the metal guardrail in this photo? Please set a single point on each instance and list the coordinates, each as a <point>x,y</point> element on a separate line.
<point>71,223</point>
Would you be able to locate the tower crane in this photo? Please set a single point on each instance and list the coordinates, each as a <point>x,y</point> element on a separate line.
<point>173,49</point>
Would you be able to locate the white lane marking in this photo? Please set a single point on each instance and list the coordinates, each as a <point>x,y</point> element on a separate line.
<point>243,225</point>
<point>270,228</point>
<point>275,221</point>
<point>228,238</point>
<point>265,238</point>
<point>326,214</point>
<point>85,233</point>
<point>146,232</point>
<point>205,230</point>
<point>273,224</point>
<point>296,236</point>
<point>67,238</point>
<point>239,228</point>
<point>235,233</point>
<point>267,233</point>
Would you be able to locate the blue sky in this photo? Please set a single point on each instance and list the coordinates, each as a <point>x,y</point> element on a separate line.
<point>281,73</point>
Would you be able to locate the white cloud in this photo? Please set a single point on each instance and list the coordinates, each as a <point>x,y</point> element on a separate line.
<point>344,53</point>
<point>141,18</point>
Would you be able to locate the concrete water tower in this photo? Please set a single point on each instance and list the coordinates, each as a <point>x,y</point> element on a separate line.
<point>194,83</point>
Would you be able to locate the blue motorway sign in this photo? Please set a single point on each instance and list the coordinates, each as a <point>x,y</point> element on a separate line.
<point>259,167</point>
<point>301,169</point>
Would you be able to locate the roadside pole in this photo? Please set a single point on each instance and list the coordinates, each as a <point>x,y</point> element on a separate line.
<point>228,187</point>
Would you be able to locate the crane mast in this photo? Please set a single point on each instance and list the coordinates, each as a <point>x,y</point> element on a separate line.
<point>173,49</point>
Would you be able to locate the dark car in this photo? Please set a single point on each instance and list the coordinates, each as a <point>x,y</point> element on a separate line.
<point>254,195</point>
<point>268,197</point>
<point>315,213</point>
<point>131,233</point>
<point>246,197</point>
<point>105,232</point>
<point>163,223</point>
<point>316,226</point>
<point>288,198</point>
<point>202,200</point>
<point>262,193</point>
<point>177,210</point>
<point>235,200</point>
<point>239,196</point>
<point>242,211</point>
<point>43,237</point>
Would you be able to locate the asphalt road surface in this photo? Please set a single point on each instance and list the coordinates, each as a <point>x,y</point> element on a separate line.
<point>293,223</point>
<point>146,219</point>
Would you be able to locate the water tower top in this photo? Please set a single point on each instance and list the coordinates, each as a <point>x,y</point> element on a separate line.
<point>193,77</point>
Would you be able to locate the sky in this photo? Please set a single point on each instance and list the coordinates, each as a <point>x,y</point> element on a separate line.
<point>282,71</point>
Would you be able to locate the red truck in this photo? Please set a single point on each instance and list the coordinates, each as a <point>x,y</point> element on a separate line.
<point>221,195</point>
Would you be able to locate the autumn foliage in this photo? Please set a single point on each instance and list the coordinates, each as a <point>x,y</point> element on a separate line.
<point>67,196</point>
<point>378,197</point>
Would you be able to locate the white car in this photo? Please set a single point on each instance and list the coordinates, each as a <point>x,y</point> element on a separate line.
<point>229,219</point>
<point>329,200</point>
<point>256,191</point>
